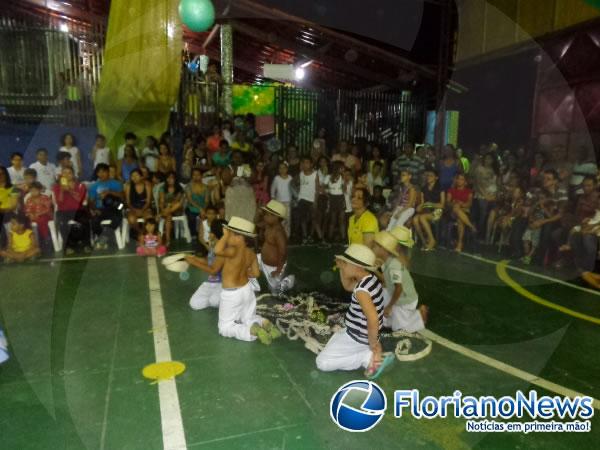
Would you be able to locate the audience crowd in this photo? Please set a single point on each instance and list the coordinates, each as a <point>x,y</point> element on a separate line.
<point>540,210</point>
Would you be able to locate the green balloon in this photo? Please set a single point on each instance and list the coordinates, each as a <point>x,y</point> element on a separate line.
<point>197,15</point>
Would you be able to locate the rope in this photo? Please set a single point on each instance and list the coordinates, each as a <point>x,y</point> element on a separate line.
<point>293,316</point>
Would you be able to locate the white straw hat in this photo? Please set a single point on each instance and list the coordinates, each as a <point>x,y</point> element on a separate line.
<point>359,255</point>
<point>240,226</point>
<point>276,208</point>
<point>387,241</point>
<point>175,263</point>
<point>173,258</point>
<point>403,235</point>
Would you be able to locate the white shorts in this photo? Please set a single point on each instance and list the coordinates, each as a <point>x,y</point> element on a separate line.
<point>237,313</point>
<point>343,353</point>
<point>275,282</point>
<point>403,317</point>
<point>208,294</point>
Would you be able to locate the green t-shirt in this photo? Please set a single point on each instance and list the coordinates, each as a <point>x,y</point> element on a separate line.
<point>395,273</point>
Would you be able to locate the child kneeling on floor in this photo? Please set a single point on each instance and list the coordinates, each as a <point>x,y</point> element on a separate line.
<point>400,295</point>
<point>358,344</point>
<point>272,259</point>
<point>209,292</point>
<point>150,241</point>
<point>21,241</point>
<point>237,309</point>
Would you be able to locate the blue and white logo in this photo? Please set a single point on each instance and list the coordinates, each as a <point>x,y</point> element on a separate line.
<point>358,405</point>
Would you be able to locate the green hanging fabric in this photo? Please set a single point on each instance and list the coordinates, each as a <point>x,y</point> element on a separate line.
<point>142,64</point>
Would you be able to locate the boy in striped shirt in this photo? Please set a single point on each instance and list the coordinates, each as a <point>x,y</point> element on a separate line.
<point>358,344</point>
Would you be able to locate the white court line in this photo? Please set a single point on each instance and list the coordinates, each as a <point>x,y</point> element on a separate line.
<point>83,258</point>
<point>503,367</point>
<point>535,274</point>
<point>170,411</point>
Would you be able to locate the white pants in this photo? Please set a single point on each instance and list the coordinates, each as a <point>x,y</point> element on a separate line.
<point>208,294</point>
<point>273,282</point>
<point>403,317</point>
<point>237,313</point>
<point>287,223</point>
<point>343,353</point>
<point>401,219</point>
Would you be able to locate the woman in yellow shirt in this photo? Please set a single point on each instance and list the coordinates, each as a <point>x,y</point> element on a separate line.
<point>21,241</point>
<point>362,224</point>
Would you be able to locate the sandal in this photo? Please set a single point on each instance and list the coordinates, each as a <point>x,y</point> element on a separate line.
<point>375,370</point>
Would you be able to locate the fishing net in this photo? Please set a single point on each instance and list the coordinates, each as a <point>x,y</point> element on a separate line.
<point>314,317</point>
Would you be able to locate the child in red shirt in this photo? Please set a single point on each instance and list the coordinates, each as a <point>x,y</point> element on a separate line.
<point>38,209</point>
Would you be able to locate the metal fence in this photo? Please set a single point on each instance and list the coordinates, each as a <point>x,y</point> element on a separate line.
<point>386,118</point>
<point>49,69</point>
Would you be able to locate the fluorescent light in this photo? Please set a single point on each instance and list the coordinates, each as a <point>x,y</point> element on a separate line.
<point>306,64</point>
<point>64,27</point>
<point>300,72</point>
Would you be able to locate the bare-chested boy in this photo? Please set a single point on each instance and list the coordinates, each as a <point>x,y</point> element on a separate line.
<point>272,259</point>
<point>237,309</point>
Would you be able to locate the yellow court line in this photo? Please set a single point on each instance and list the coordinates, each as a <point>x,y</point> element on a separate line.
<point>504,276</point>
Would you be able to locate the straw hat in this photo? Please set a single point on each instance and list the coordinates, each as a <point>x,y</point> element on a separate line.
<point>403,235</point>
<point>276,208</point>
<point>387,241</point>
<point>176,263</point>
<point>240,226</point>
<point>359,255</point>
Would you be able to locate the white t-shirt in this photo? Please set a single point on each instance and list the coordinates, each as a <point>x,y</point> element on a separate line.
<point>308,187</point>
<point>323,178</point>
<point>17,177</point>
<point>150,157</point>
<point>336,187</point>
<point>74,152</point>
<point>280,189</point>
<point>46,174</point>
<point>102,156</point>
<point>121,152</point>
<point>373,181</point>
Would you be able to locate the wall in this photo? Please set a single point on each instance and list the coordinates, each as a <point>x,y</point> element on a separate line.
<point>28,138</point>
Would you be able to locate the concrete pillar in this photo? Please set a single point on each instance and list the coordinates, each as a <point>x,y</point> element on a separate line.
<point>227,68</point>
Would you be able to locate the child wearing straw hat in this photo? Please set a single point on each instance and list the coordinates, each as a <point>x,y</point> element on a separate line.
<point>400,296</point>
<point>272,259</point>
<point>357,345</point>
<point>237,309</point>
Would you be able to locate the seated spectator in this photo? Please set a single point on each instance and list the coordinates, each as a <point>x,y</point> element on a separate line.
<point>21,241</point>
<point>29,177</point>
<point>166,160</point>
<point>105,204</point>
<point>197,195</point>
<point>511,209</point>
<point>222,157</point>
<point>138,198</point>
<point>260,184</point>
<point>213,142</point>
<point>407,160</point>
<point>200,157</point>
<point>378,202</point>
<point>585,165</point>
<point>460,200</point>
<point>535,173</point>
<point>185,170</point>
<point>362,224</point>
<point>63,159</point>
<point>9,201</point>
<point>240,142</point>
<point>448,168</point>
<point>127,164</point>
<point>150,154</point>
<point>171,203</point>
<point>375,176</point>
<point>150,240</point>
<point>39,210</point>
<point>403,202</point>
<point>377,159</point>
<point>100,153</point>
<point>130,139</point>
<point>17,170</point>
<point>46,171</point>
<point>430,208</point>
<point>70,197</point>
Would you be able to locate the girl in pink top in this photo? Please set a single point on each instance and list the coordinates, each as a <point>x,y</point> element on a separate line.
<point>150,241</point>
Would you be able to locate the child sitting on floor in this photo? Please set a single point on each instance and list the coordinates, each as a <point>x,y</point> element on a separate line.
<point>209,292</point>
<point>237,308</point>
<point>21,241</point>
<point>150,241</point>
<point>357,345</point>
<point>400,296</point>
<point>205,230</point>
<point>272,259</point>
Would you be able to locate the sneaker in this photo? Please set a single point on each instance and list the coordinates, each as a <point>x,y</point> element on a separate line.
<point>261,334</point>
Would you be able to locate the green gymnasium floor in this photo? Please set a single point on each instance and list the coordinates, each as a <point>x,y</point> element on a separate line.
<point>81,331</point>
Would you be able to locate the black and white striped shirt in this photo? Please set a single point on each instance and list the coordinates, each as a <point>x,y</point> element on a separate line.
<point>356,321</point>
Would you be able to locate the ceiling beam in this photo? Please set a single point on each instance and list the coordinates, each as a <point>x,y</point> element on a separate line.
<point>256,9</point>
<point>329,61</point>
